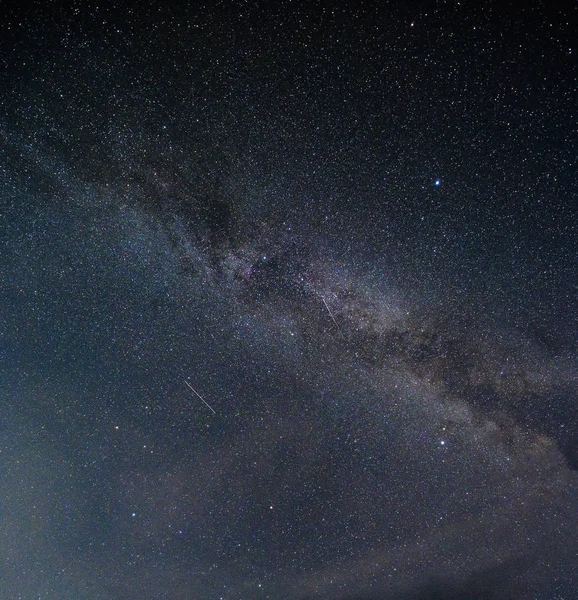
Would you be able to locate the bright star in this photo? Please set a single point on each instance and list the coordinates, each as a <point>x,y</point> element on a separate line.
<point>437,182</point>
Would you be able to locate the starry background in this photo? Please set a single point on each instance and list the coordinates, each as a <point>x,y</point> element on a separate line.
<point>350,229</point>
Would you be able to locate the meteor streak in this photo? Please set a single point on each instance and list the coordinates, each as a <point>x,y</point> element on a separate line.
<point>199,395</point>
<point>331,315</point>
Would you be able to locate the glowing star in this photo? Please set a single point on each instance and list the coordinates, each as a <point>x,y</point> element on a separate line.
<point>437,182</point>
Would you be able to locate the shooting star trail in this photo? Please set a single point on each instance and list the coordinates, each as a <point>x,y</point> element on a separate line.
<point>199,395</point>
<point>331,315</point>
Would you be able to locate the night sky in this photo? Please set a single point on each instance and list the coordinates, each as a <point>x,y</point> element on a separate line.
<point>288,301</point>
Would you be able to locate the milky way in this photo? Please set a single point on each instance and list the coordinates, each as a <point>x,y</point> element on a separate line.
<point>288,303</point>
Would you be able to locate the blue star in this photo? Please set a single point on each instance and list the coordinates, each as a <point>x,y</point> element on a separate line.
<point>437,182</point>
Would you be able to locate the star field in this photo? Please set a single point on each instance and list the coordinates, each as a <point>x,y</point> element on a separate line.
<point>288,301</point>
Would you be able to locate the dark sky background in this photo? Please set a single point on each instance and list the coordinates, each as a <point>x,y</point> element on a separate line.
<point>351,229</point>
